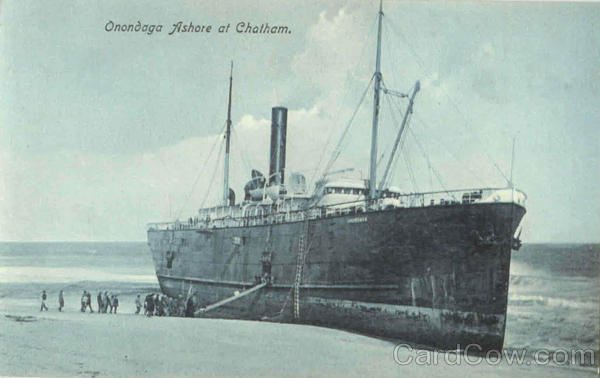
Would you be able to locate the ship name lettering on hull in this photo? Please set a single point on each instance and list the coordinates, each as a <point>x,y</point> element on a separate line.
<point>358,220</point>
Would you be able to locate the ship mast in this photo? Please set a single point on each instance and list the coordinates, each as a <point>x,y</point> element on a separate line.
<point>373,165</point>
<point>227,142</point>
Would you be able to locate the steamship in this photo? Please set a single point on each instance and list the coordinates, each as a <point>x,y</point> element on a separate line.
<point>429,268</point>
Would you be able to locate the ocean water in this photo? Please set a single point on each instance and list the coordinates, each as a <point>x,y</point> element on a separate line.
<point>122,268</point>
<point>553,296</point>
<point>553,300</point>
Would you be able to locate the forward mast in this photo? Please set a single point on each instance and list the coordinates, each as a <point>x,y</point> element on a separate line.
<point>227,144</point>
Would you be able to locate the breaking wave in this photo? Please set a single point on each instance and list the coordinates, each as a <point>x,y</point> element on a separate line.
<point>33,274</point>
<point>538,300</point>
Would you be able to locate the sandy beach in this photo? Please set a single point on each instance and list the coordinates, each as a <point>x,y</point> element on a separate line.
<point>71,343</point>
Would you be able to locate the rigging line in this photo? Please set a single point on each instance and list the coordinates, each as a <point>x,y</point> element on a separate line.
<point>403,138</point>
<point>435,172</point>
<point>238,163</point>
<point>472,133</point>
<point>381,119</point>
<point>242,150</point>
<point>392,170</point>
<point>426,156</point>
<point>401,146</point>
<point>200,171</point>
<point>465,166</point>
<point>431,168</point>
<point>338,149</point>
<point>411,173</point>
<point>391,24</point>
<point>429,172</point>
<point>346,93</point>
<point>452,102</point>
<point>393,55</point>
<point>212,179</point>
<point>391,111</point>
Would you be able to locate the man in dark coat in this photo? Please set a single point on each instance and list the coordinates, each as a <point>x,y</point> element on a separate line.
<point>99,300</point>
<point>115,303</point>
<point>149,304</point>
<point>61,301</point>
<point>189,307</point>
<point>105,301</point>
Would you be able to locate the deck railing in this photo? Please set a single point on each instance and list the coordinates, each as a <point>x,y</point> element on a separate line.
<point>391,201</point>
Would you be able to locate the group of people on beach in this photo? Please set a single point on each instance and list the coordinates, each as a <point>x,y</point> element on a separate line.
<point>153,305</point>
<point>104,302</point>
<point>162,305</point>
<point>61,301</point>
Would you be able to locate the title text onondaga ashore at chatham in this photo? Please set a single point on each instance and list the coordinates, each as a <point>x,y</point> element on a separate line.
<point>242,27</point>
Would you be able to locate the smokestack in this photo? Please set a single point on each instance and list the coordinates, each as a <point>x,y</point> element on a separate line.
<point>278,132</point>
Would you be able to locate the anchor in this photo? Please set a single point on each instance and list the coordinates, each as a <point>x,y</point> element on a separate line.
<point>516,242</point>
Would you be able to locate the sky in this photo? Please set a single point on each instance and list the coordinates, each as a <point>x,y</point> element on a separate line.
<point>104,131</point>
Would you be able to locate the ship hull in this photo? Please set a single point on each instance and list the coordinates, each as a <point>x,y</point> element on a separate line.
<point>435,276</point>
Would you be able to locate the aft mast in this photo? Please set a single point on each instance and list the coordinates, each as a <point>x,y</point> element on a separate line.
<point>227,143</point>
<point>373,165</point>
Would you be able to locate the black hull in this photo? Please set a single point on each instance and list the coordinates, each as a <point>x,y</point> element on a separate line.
<point>435,276</point>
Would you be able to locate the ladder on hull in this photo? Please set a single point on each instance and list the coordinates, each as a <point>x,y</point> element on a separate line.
<point>302,252</point>
<point>230,299</point>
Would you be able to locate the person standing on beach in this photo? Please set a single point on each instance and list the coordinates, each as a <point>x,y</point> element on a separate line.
<point>115,303</point>
<point>88,301</point>
<point>109,303</point>
<point>61,301</point>
<point>159,306</point>
<point>99,300</point>
<point>105,302</point>
<point>150,305</point>
<point>189,307</point>
<point>43,306</point>
<point>83,301</point>
<point>138,304</point>
<point>180,306</point>
<point>165,304</point>
<point>156,303</point>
